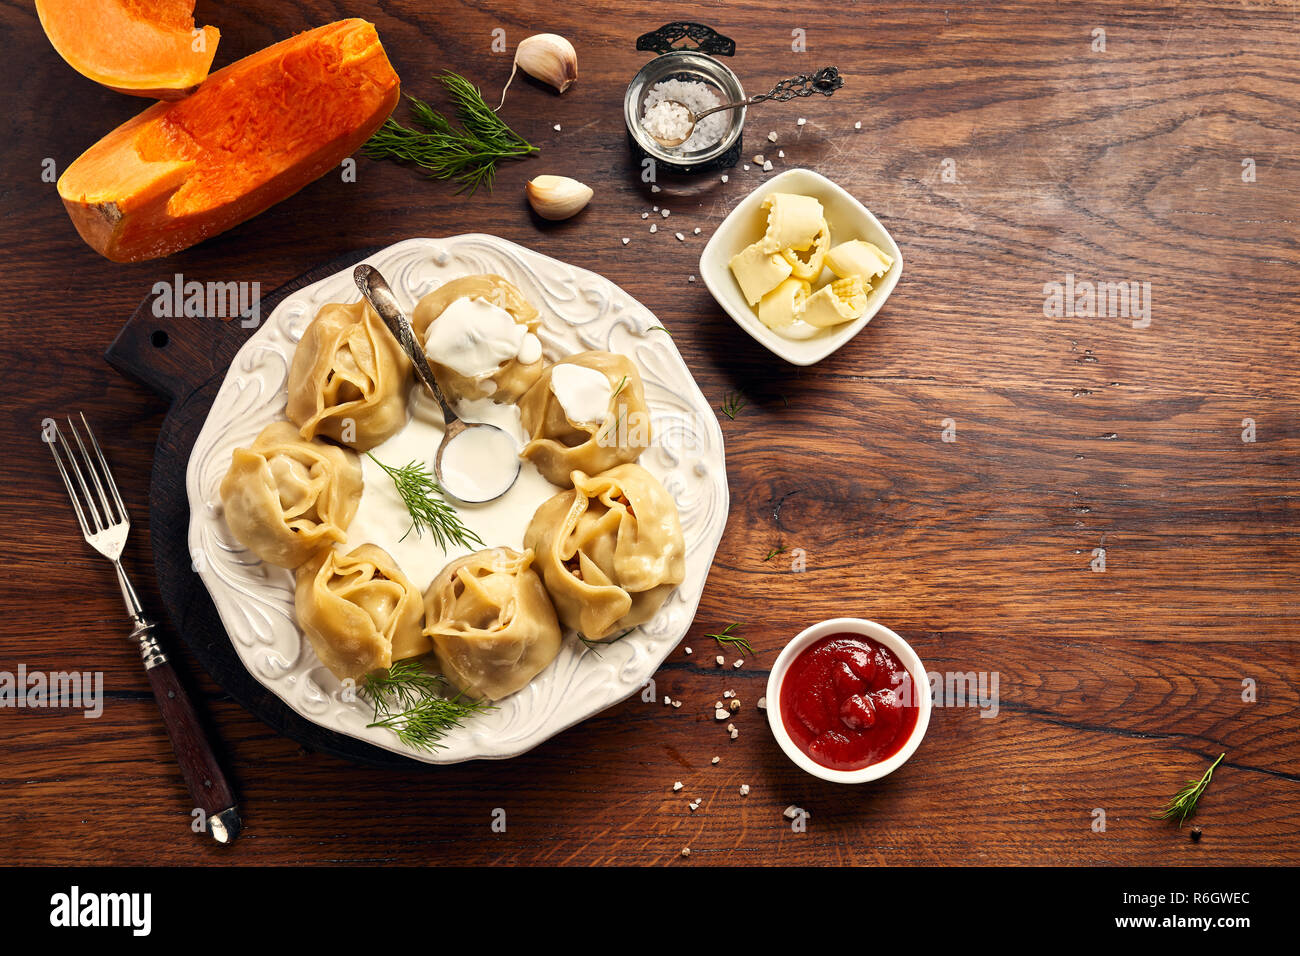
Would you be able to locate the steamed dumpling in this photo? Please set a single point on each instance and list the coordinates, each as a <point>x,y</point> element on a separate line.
<point>359,611</point>
<point>285,497</point>
<point>610,551</point>
<point>489,346</point>
<point>491,623</point>
<point>349,378</point>
<point>586,413</point>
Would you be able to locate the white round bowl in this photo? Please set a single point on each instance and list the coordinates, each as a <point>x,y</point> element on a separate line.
<point>881,635</point>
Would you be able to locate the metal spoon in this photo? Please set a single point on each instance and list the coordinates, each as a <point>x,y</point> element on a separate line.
<point>380,296</point>
<point>825,81</point>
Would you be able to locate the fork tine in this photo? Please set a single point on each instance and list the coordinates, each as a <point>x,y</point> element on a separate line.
<point>67,481</point>
<point>81,479</point>
<point>109,517</point>
<point>103,463</point>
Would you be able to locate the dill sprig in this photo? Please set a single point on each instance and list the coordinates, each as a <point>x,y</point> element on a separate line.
<point>1183,805</point>
<point>609,640</point>
<point>468,155</point>
<point>779,549</point>
<point>732,404</point>
<point>727,636</point>
<point>407,701</point>
<point>430,511</point>
<point>659,328</point>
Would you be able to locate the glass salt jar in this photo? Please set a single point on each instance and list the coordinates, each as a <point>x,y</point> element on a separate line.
<point>717,146</point>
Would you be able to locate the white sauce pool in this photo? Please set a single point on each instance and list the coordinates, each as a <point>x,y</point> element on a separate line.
<point>382,519</point>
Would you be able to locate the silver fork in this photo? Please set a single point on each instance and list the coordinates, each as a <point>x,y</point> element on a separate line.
<point>105,525</point>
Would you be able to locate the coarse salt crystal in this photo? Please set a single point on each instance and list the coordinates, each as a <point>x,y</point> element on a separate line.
<point>792,811</point>
<point>557,127</point>
<point>626,240</point>
<point>690,278</point>
<point>667,701</point>
<point>721,714</point>
<point>715,759</point>
<point>724,178</point>
<point>654,189</point>
<point>734,733</point>
<point>801,121</point>
<point>737,664</point>
<point>689,651</point>
<point>653,227</point>
<point>697,230</point>
<point>686,851</point>
<point>744,789</point>
<point>780,154</point>
<point>857,125</point>
<point>767,166</point>
<point>664,213</point>
<point>720,660</point>
<point>645,215</point>
<point>681,237</point>
<point>762,703</point>
<point>677,703</point>
<point>772,136</point>
<point>758,159</point>
<point>677,786</point>
<point>746,167</point>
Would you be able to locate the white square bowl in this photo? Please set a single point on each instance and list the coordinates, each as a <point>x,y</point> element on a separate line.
<point>745,224</point>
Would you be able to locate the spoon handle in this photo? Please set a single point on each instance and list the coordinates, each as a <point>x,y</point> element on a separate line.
<point>825,81</point>
<point>380,295</point>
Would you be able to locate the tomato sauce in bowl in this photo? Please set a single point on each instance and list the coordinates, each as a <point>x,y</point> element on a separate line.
<point>848,702</point>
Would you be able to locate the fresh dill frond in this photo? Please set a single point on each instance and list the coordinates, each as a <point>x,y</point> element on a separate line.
<point>467,155</point>
<point>1183,805</point>
<point>659,328</point>
<point>728,637</point>
<point>732,404</point>
<point>407,700</point>
<point>779,549</point>
<point>429,510</point>
<point>609,640</point>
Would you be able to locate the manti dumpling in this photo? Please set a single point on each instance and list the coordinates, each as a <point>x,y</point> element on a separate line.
<point>285,497</point>
<point>480,334</point>
<point>492,625</point>
<point>349,378</point>
<point>610,551</point>
<point>359,611</point>
<point>587,413</point>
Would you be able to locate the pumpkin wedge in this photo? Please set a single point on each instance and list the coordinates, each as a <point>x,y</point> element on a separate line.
<point>253,134</point>
<point>141,47</point>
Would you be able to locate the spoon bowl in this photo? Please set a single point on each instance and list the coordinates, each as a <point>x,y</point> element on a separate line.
<point>479,447</point>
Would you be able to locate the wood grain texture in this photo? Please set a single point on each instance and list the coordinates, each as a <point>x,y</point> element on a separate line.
<point>1071,434</point>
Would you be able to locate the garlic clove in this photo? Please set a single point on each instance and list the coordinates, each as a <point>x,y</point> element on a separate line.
<point>548,57</point>
<point>557,197</point>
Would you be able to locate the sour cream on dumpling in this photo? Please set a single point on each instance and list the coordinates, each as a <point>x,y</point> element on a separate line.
<point>474,337</point>
<point>582,392</point>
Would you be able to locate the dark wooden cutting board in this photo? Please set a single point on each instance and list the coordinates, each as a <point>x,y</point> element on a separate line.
<point>185,360</point>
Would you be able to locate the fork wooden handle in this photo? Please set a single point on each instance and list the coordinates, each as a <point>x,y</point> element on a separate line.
<point>207,784</point>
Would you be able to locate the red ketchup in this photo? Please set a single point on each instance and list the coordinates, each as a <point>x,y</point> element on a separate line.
<point>848,703</point>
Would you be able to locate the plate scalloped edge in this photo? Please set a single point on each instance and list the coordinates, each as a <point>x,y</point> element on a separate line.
<point>580,310</point>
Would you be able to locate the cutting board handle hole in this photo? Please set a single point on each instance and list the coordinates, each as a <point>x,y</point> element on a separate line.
<point>159,339</point>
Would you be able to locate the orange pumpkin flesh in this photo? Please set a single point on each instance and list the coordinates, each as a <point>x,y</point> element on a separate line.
<point>141,47</point>
<point>255,133</point>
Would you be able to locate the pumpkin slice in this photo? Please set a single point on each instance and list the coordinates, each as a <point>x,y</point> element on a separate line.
<point>255,133</point>
<point>141,47</point>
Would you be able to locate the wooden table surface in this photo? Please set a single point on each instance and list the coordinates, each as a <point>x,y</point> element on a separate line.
<point>1004,150</point>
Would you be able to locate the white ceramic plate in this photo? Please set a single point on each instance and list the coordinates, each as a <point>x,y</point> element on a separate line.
<point>745,224</point>
<point>580,310</point>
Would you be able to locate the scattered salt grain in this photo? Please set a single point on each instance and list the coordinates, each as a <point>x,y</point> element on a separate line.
<point>762,703</point>
<point>677,703</point>
<point>667,701</point>
<point>697,230</point>
<point>801,121</point>
<point>738,664</point>
<point>656,208</point>
<point>681,237</point>
<point>645,215</point>
<point>746,167</point>
<point>686,851</point>
<point>690,278</point>
<point>721,714</point>
<point>734,733</point>
<point>792,811</point>
<point>715,760</point>
<point>758,159</point>
<point>780,154</point>
<point>767,166</point>
<point>744,789</point>
<point>728,693</point>
<point>858,125</point>
<point>720,660</point>
<point>677,786</point>
<point>689,651</point>
<point>626,240</point>
<point>724,178</point>
<point>664,213</point>
<point>557,127</point>
<point>772,136</point>
<point>654,189</point>
<point>653,227</point>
